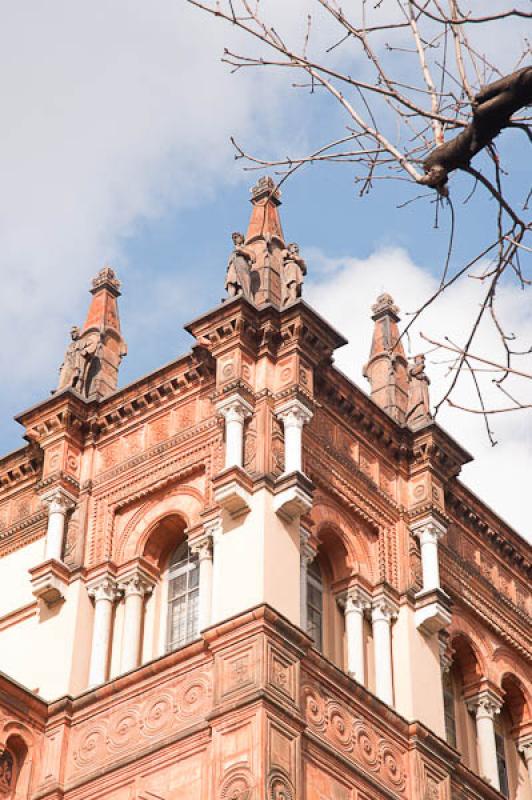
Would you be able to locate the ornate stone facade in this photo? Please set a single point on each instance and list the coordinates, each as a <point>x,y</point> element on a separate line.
<point>241,578</point>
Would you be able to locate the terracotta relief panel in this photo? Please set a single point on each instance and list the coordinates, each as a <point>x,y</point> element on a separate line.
<point>235,760</point>
<point>185,779</point>
<point>159,429</point>
<point>356,738</point>
<point>281,673</point>
<point>285,373</point>
<point>282,758</point>
<point>131,725</point>
<point>237,671</point>
<point>388,482</point>
<point>319,785</point>
<point>133,443</point>
<point>367,463</point>
<point>185,416</point>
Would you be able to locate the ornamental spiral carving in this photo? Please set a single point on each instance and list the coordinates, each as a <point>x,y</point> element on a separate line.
<point>367,746</point>
<point>237,785</point>
<point>90,745</point>
<point>314,708</point>
<point>279,787</point>
<point>158,714</point>
<point>193,696</point>
<point>360,740</point>
<point>392,768</point>
<point>123,729</point>
<point>341,726</point>
<point>132,726</point>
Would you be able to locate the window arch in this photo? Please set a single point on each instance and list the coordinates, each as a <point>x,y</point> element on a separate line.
<point>183,598</point>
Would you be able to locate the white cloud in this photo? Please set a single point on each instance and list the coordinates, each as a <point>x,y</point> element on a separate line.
<point>112,112</point>
<point>344,291</point>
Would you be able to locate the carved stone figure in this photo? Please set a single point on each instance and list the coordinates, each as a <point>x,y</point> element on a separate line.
<point>78,358</point>
<point>238,280</point>
<point>418,394</point>
<point>6,771</point>
<point>293,271</point>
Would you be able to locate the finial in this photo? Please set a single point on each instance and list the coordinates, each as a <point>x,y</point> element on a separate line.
<point>384,304</point>
<point>106,277</point>
<point>265,188</point>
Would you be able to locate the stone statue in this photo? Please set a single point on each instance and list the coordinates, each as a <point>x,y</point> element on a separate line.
<point>418,409</point>
<point>79,356</point>
<point>238,280</point>
<point>294,270</point>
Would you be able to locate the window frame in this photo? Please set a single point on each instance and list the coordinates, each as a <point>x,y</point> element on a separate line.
<point>187,565</point>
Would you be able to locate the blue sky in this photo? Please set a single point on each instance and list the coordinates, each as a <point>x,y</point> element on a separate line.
<point>117,150</point>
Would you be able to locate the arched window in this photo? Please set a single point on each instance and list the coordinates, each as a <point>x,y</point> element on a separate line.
<point>315,604</point>
<point>183,598</point>
<point>449,694</point>
<point>7,773</point>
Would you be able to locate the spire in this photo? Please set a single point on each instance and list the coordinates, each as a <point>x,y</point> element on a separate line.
<point>93,356</point>
<point>265,237</point>
<point>387,368</point>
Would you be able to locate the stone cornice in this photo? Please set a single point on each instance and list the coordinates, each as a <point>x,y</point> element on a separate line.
<point>508,622</point>
<point>498,537</point>
<point>21,466</point>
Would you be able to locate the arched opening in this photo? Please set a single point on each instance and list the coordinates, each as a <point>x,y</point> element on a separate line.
<point>461,682</point>
<point>514,717</point>
<point>14,769</point>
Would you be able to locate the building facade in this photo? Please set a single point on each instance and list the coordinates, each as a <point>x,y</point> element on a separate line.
<point>241,577</point>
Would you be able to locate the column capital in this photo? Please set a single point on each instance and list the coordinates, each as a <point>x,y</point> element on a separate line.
<point>58,500</point>
<point>306,551</point>
<point>524,745</point>
<point>355,598</point>
<point>294,413</point>
<point>104,587</point>
<point>485,705</point>
<point>383,609</point>
<point>428,529</point>
<point>136,581</point>
<point>234,408</point>
<point>202,545</point>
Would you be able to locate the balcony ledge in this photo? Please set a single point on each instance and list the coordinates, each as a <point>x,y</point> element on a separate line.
<point>49,581</point>
<point>433,611</point>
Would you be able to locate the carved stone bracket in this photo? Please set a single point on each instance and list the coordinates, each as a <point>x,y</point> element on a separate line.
<point>293,495</point>
<point>49,581</point>
<point>433,611</point>
<point>232,491</point>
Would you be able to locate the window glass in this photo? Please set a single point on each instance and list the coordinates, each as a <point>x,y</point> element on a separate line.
<point>501,764</point>
<point>183,598</point>
<point>448,707</point>
<point>315,605</point>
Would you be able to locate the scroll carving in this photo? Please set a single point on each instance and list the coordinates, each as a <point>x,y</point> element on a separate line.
<point>131,725</point>
<point>238,784</point>
<point>279,786</point>
<point>356,739</point>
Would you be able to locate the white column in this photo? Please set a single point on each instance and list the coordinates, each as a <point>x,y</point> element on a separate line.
<point>356,602</point>
<point>293,415</point>
<point>59,504</point>
<point>234,410</point>
<point>203,547</point>
<point>104,593</point>
<point>485,707</point>
<point>524,745</point>
<point>382,613</point>
<point>429,531</point>
<point>307,554</point>
<point>135,585</point>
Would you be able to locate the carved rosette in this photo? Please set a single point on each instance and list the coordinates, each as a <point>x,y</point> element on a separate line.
<point>238,784</point>
<point>355,738</point>
<point>279,786</point>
